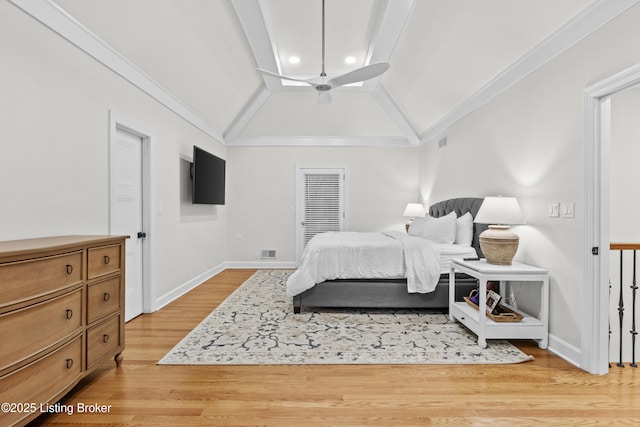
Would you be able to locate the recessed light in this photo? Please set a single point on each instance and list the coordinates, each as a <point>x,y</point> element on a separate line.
<point>350,60</point>
<point>294,60</point>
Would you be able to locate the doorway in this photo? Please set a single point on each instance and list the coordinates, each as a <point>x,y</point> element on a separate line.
<point>595,312</point>
<point>320,200</point>
<point>129,178</point>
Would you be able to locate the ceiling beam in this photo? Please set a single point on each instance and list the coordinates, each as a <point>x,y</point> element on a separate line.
<point>250,109</point>
<point>254,24</point>
<point>387,30</point>
<point>391,18</point>
<point>388,105</point>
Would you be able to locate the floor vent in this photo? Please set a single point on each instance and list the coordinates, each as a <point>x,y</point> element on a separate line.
<point>267,253</point>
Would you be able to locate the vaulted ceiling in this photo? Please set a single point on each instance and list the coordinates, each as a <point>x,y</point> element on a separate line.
<point>199,57</point>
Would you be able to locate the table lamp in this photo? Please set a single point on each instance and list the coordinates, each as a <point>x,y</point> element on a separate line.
<point>413,210</point>
<point>498,243</point>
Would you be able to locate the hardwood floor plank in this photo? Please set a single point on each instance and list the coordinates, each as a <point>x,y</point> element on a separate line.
<point>547,391</point>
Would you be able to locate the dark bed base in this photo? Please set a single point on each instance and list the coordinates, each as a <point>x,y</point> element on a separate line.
<point>379,293</point>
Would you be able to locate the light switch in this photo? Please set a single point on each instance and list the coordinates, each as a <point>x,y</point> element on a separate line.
<point>568,210</point>
<point>554,210</point>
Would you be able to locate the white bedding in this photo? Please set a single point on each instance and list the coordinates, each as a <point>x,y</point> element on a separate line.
<point>451,251</point>
<point>389,255</point>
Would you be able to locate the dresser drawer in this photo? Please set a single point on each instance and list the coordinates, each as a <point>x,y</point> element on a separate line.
<point>27,331</point>
<point>102,339</point>
<point>103,298</point>
<point>24,280</point>
<point>103,260</point>
<point>41,380</point>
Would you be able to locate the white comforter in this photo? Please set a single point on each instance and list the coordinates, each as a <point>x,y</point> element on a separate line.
<point>348,255</point>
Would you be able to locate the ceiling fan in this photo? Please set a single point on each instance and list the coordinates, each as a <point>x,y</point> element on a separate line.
<point>323,86</point>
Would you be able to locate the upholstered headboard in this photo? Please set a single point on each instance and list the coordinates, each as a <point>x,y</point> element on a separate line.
<point>461,206</point>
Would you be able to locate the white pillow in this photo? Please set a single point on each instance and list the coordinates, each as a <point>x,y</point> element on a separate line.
<point>416,227</point>
<point>464,230</point>
<point>440,230</point>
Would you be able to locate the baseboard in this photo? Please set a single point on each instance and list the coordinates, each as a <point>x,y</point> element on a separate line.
<point>260,264</point>
<point>565,351</point>
<point>182,289</point>
<point>187,286</point>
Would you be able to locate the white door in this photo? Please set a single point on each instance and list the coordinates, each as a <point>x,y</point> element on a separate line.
<point>320,201</point>
<point>126,212</point>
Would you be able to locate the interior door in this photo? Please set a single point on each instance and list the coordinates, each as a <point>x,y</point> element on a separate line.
<point>126,212</point>
<point>321,203</point>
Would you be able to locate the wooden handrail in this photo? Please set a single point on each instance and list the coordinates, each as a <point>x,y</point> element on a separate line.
<point>624,246</point>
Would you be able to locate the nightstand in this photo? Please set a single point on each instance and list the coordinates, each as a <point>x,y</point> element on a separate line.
<point>477,321</point>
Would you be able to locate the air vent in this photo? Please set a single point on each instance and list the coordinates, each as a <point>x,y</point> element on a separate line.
<point>267,253</point>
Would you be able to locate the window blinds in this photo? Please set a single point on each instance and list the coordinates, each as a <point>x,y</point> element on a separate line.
<point>323,203</point>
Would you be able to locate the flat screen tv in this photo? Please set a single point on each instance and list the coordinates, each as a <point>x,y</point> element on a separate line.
<point>208,175</point>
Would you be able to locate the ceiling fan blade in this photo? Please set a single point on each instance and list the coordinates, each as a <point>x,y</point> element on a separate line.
<point>279,76</point>
<point>359,75</point>
<point>324,98</point>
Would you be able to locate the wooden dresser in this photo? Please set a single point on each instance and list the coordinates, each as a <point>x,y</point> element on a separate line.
<point>61,314</point>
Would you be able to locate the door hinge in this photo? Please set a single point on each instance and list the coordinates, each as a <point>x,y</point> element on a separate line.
<point>595,250</point>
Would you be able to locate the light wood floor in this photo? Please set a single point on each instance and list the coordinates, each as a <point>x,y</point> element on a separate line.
<point>547,391</point>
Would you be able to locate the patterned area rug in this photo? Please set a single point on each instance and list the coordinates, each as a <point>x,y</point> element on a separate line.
<point>256,325</point>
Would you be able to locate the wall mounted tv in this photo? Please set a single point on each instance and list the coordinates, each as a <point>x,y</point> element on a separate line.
<point>208,175</point>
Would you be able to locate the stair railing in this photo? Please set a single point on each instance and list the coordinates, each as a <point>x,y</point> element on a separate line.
<point>623,248</point>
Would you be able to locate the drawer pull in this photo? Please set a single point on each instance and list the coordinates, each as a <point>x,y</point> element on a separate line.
<point>106,297</point>
<point>69,363</point>
<point>105,338</point>
<point>69,269</point>
<point>107,260</point>
<point>69,313</point>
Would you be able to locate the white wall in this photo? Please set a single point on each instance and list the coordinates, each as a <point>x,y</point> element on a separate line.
<point>261,193</point>
<point>527,142</point>
<point>54,123</point>
<point>625,175</point>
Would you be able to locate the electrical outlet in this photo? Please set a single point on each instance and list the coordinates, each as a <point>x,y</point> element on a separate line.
<point>553,210</point>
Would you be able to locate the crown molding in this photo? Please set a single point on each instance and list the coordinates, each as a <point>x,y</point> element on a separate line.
<point>65,25</point>
<point>591,19</point>
<point>322,141</point>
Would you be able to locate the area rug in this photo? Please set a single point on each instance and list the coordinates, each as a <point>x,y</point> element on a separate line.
<point>256,325</point>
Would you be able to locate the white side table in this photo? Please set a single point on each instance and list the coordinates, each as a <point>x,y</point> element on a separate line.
<point>477,320</point>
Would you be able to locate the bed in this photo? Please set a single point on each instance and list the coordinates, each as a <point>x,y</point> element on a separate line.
<point>355,284</point>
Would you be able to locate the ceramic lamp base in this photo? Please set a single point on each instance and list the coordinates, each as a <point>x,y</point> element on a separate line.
<point>499,244</point>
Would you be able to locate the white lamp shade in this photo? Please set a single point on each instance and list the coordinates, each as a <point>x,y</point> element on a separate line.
<point>499,210</point>
<point>414,210</point>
